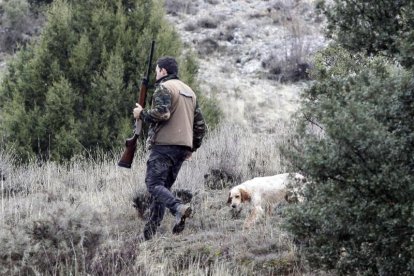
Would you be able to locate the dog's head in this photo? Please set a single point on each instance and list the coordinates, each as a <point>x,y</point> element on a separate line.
<point>237,196</point>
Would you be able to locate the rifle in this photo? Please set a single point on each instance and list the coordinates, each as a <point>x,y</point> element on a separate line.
<point>131,143</point>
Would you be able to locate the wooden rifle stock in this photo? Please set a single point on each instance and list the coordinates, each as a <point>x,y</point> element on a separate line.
<point>131,143</point>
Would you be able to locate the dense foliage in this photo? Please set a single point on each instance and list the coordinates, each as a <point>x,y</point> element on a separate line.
<point>376,27</point>
<point>75,87</point>
<point>355,142</point>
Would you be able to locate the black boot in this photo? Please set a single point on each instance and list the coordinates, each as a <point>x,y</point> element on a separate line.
<point>183,212</point>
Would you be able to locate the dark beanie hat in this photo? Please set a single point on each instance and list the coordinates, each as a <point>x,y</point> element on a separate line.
<point>169,64</point>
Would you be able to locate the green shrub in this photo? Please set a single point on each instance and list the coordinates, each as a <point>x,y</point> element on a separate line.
<point>74,89</point>
<point>380,27</point>
<point>355,142</point>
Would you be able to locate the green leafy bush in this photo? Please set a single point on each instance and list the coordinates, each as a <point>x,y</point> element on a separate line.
<point>355,142</point>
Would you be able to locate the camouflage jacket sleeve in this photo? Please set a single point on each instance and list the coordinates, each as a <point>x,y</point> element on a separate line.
<point>160,109</point>
<point>199,128</point>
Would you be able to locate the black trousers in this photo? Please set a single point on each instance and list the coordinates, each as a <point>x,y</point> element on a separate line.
<point>163,166</point>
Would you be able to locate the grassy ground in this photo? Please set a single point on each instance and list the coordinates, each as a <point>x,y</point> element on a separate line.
<point>78,218</point>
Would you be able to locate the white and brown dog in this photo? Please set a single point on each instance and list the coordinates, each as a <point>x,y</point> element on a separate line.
<point>264,192</point>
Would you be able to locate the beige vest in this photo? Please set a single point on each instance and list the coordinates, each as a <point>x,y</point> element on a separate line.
<point>178,129</point>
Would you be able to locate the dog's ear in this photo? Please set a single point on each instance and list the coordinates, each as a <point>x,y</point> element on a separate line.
<point>229,199</point>
<point>245,196</point>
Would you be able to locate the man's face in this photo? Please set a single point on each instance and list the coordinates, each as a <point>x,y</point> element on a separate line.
<point>160,72</point>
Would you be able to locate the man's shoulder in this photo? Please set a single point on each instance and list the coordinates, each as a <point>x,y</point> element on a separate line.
<point>162,91</point>
<point>178,85</point>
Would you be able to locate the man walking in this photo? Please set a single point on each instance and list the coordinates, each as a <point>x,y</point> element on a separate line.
<point>176,130</point>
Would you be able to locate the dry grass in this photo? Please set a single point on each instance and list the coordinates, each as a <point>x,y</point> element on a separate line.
<point>78,218</point>
<point>291,61</point>
<point>175,7</point>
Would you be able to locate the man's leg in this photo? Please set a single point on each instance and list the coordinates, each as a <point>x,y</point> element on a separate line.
<point>157,211</point>
<point>180,211</point>
<point>158,171</point>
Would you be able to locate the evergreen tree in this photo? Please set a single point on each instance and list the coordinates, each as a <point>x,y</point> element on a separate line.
<point>75,87</point>
<point>355,143</point>
<point>58,121</point>
<point>376,27</point>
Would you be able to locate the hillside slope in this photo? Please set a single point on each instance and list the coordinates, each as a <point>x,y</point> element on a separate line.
<point>246,50</point>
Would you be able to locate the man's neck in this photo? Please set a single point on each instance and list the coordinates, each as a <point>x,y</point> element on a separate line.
<point>167,77</point>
